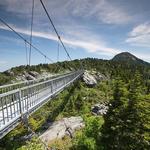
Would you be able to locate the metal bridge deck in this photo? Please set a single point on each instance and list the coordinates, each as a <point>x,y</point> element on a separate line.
<point>19,102</point>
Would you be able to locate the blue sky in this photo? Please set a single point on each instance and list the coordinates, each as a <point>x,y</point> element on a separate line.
<point>89,28</point>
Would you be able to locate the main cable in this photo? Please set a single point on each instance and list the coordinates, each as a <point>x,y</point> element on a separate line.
<point>21,37</point>
<point>59,38</point>
<point>31,32</point>
<point>58,52</point>
<point>26,52</point>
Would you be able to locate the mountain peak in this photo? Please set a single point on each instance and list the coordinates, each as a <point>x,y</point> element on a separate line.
<point>128,57</point>
<point>125,56</point>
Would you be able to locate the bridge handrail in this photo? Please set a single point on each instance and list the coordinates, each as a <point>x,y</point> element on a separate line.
<point>27,83</point>
<point>9,93</point>
<point>8,85</point>
<point>16,104</point>
<point>30,86</point>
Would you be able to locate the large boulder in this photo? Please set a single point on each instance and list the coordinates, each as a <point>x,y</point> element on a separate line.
<point>89,79</point>
<point>98,76</point>
<point>58,129</point>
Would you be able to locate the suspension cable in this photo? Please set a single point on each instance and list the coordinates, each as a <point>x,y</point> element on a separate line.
<point>27,42</point>
<point>26,52</point>
<point>59,38</point>
<point>58,46</point>
<point>45,59</point>
<point>58,51</point>
<point>31,31</point>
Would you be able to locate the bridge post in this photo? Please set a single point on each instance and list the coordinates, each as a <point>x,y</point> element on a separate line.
<point>20,102</point>
<point>64,82</point>
<point>51,87</point>
<point>2,110</point>
<point>24,117</point>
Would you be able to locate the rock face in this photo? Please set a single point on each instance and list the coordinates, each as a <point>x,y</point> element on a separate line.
<point>10,73</point>
<point>92,77</point>
<point>28,76</point>
<point>59,129</point>
<point>99,77</point>
<point>33,75</point>
<point>89,79</point>
<point>100,109</point>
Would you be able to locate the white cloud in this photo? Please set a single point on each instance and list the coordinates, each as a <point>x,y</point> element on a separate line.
<point>3,63</point>
<point>111,14</point>
<point>143,56</point>
<point>72,12</point>
<point>140,35</point>
<point>142,29</point>
<point>102,10</point>
<point>69,14</point>
<point>91,45</point>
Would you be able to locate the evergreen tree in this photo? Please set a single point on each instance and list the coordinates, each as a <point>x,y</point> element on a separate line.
<point>136,118</point>
<point>113,126</point>
<point>126,123</point>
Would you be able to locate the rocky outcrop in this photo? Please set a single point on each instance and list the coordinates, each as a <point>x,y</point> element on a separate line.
<point>28,76</point>
<point>34,74</point>
<point>66,126</point>
<point>89,79</point>
<point>92,77</point>
<point>99,77</point>
<point>100,109</point>
<point>10,73</point>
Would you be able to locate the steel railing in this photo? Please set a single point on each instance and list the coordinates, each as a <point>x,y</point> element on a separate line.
<point>16,103</point>
<point>13,86</point>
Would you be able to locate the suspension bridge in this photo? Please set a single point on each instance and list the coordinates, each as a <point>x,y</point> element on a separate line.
<point>19,100</point>
<point>19,103</point>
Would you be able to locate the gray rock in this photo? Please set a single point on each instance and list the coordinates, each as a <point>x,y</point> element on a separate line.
<point>58,129</point>
<point>92,77</point>
<point>98,76</point>
<point>10,73</point>
<point>89,79</point>
<point>100,109</point>
<point>28,76</point>
<point>34,74</point>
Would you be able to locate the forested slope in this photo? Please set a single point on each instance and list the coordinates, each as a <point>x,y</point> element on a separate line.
<point>126,126</point>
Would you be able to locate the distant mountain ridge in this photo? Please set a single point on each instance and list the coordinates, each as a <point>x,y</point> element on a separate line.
<point>128,57</point>
<point>123,62</point>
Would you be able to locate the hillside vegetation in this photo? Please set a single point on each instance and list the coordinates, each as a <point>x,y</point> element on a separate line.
<point>111,68</point>
<point>126,126</point>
